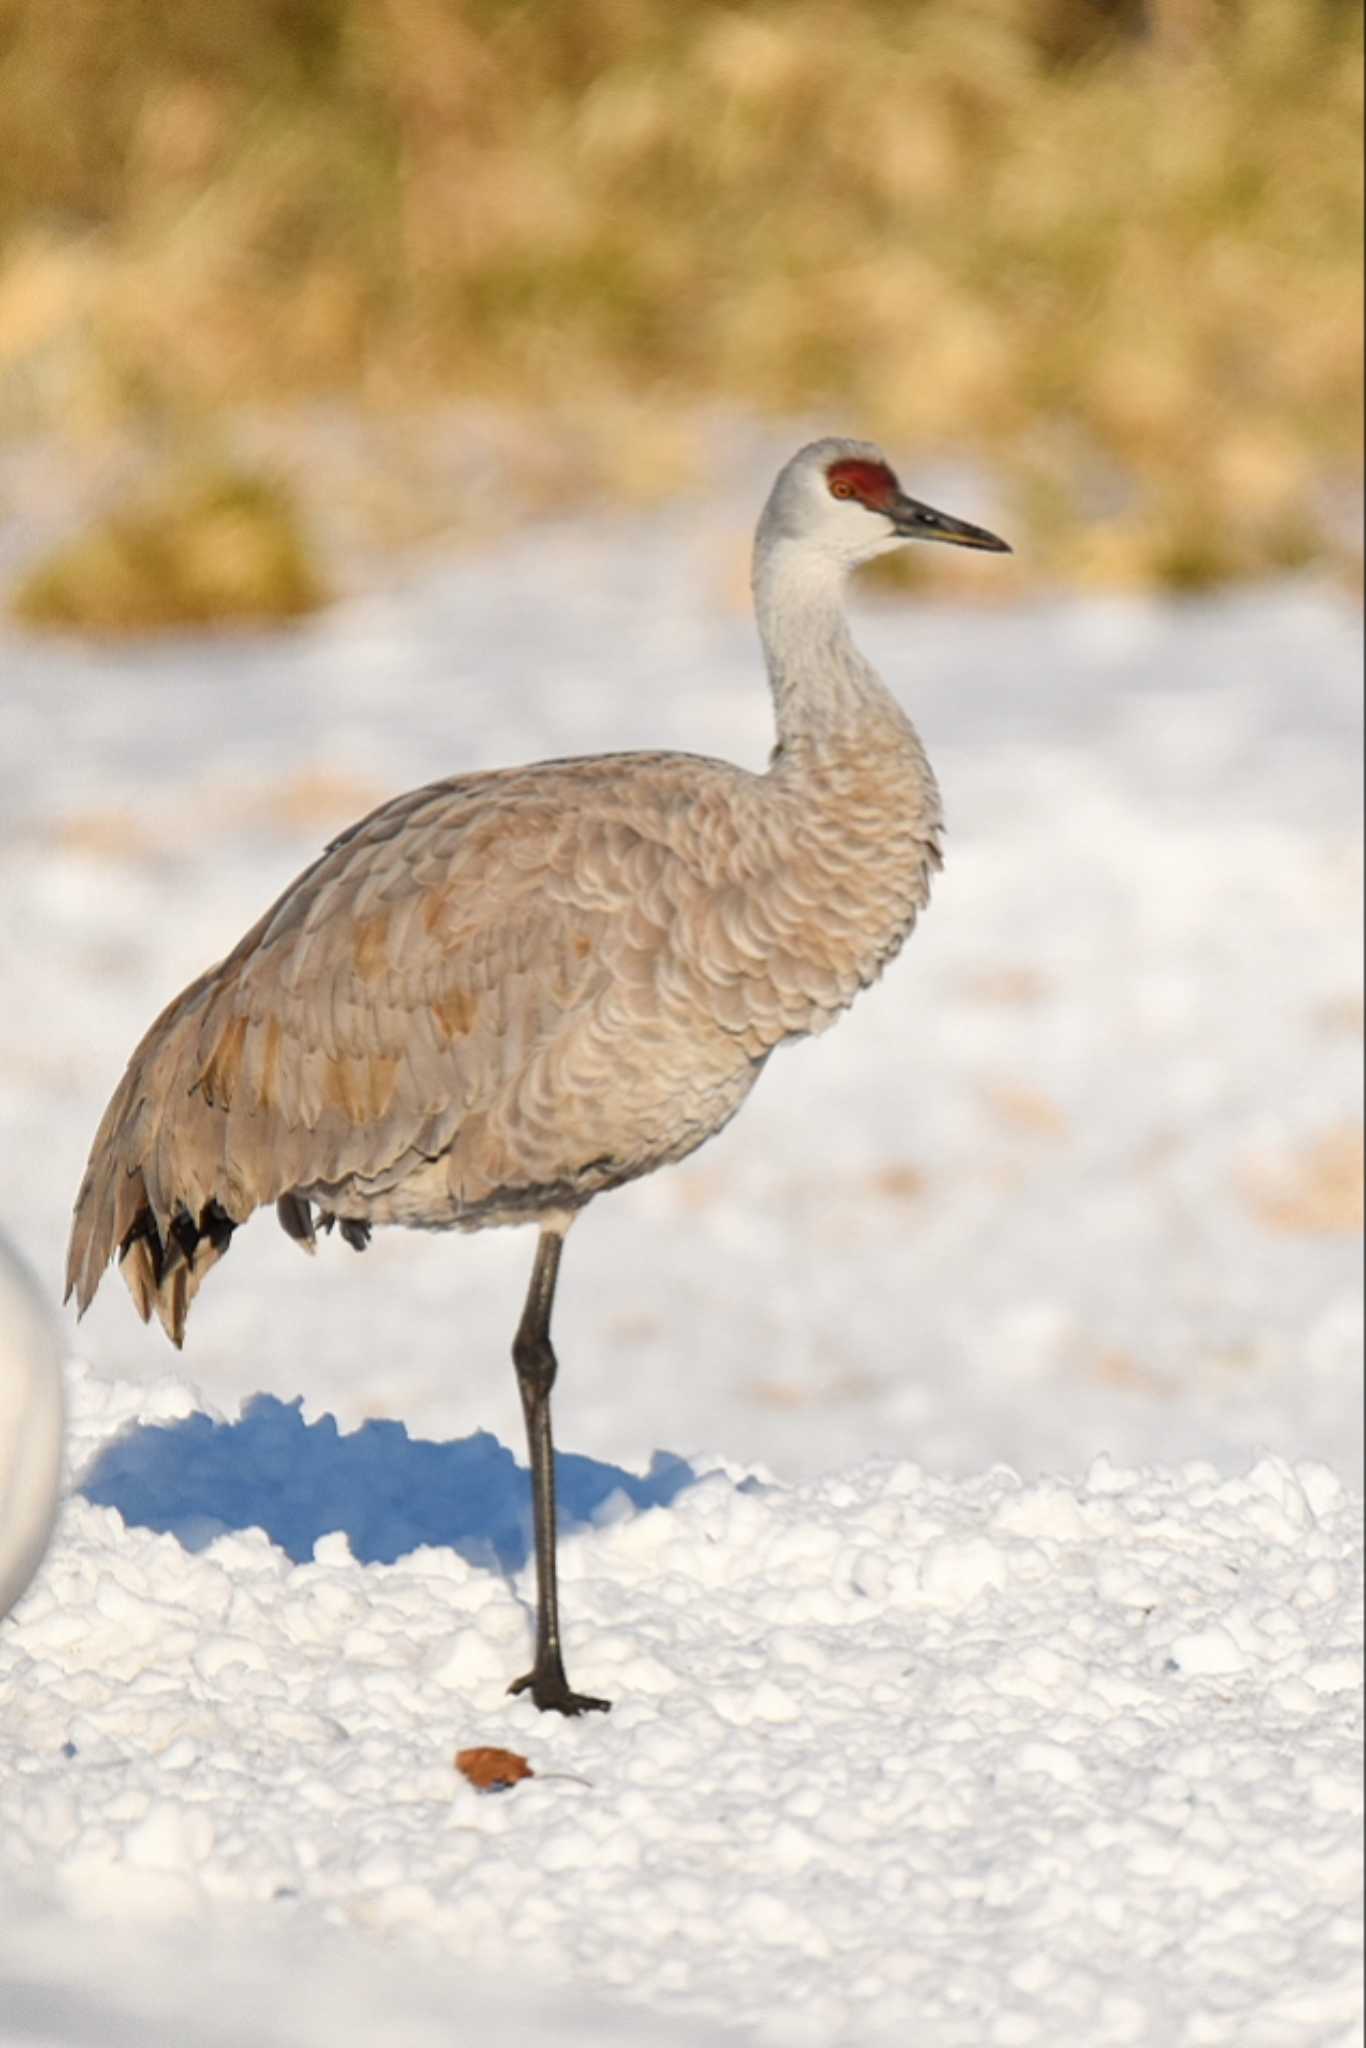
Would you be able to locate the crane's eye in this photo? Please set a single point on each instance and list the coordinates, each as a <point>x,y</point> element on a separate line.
<point>841,488</point>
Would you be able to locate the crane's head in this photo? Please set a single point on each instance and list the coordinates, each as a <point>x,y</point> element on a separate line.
<point>842,500</point>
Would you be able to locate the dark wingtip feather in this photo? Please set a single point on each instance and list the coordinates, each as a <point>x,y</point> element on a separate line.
<point>353,1230</point>
<point>143,1231</point>
<point>296,1220</point>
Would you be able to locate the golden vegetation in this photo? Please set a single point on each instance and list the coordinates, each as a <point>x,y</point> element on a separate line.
<point>1107,247</point>
<point>215,547</point>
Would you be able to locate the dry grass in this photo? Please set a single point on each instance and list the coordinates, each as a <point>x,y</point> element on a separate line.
<point>214,547</point>
<point>1109,249</point>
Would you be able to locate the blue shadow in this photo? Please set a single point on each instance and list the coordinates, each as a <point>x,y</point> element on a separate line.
<point>388,1493</point>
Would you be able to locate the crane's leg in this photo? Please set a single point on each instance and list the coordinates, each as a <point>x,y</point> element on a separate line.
<point>536,1367</point>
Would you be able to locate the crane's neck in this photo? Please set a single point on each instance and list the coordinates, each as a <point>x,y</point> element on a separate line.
<point>849,773</point>
<point>826,696</point>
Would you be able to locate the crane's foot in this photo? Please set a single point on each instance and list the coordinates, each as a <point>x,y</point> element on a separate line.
<point>550,1689</point>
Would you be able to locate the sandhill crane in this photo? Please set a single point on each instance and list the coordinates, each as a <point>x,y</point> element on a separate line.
<point>31,1418</point>
<point>503,994</point>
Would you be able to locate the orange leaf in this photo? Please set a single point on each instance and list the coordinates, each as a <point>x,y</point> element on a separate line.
<point>492,1770</point>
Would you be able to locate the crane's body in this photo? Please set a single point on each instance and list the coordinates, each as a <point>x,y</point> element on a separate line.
<point>502,994</point>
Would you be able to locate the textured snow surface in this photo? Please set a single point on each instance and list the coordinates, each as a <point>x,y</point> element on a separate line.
<point>987,1760</point>
<point>921,1749</point>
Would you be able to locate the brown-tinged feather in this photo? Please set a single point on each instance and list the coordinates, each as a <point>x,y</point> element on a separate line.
<point>219,1077</point>
<point>369,948</point>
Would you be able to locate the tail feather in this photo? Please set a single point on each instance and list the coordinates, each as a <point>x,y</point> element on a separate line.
<point>163,1271</point>
<point>210,1122</point>
<point>140,1256</point>
<point>151,1195</point>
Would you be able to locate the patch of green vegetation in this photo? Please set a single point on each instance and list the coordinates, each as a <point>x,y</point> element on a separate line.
<point>212,548</point>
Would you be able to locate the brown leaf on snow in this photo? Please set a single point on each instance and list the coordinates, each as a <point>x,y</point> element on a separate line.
<point>492,1770</point>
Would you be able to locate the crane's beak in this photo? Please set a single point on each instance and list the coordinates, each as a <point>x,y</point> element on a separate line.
<point>913,521</point>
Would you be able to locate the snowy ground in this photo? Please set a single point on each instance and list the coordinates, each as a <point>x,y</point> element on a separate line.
<point>904,1740</point>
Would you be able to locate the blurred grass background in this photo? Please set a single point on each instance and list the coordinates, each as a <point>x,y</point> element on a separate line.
<point>1107,249</point>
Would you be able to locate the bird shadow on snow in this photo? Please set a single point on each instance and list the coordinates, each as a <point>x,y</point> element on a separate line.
<point>388,1493</point>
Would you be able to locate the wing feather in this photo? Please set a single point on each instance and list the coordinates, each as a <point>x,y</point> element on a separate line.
<point>387,1000</point>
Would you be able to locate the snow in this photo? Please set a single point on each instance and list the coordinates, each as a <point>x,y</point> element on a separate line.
<point>957,1456</point>
<point>1002,1760</point>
